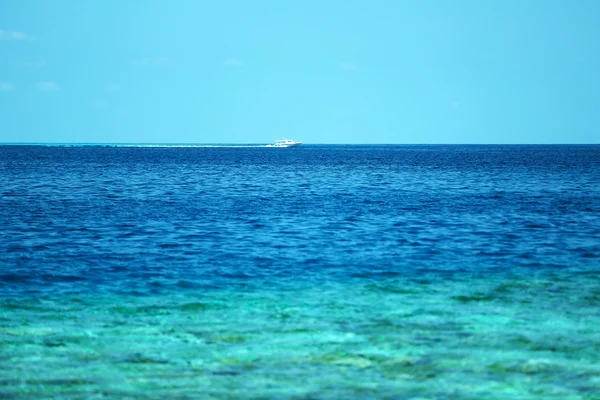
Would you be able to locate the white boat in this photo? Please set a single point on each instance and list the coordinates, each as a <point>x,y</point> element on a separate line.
<point>284,143</point>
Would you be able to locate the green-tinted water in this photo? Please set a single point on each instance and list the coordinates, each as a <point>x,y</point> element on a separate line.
<point>459,337</point>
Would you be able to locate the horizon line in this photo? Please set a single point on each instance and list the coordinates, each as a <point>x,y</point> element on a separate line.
<point>264,144</point>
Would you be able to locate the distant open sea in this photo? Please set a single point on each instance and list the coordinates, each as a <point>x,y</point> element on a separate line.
<point>315,272</point>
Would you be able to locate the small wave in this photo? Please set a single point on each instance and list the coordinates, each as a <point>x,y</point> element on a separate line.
<point>15,194</point>
<point>14,278</point>
<point>62,278</point>
<point>376,274</point>
<point>473,297</point>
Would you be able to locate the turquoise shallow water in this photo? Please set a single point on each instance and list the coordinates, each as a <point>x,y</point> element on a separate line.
<point>433,337</point>
<point>321,272</point>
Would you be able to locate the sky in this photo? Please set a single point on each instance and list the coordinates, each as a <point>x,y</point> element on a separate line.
<point>318,71</point>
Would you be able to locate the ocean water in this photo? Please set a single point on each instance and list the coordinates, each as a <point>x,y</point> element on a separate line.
<point>317,272</point>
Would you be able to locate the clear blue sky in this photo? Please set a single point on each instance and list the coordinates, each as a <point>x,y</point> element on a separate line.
<point>319,71</point>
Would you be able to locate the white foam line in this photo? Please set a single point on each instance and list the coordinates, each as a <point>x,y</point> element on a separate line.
<point>144,145</point>
<point>180,146</point>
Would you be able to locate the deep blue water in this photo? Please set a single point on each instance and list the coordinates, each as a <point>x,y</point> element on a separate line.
<point>337,239</point>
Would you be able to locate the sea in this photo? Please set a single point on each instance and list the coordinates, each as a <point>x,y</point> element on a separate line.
<point>314,272</point>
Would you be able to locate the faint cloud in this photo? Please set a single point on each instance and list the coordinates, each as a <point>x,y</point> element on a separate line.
<point>112,87</point>
<point>34,64</point>
<point>233,63</point>
<point>347,66</point>
<point>454,105</point>
<point>47,86</point>
<point>152,62</point>
<point>5,86</point>
<point>14,35</point>
<point>100,104</point>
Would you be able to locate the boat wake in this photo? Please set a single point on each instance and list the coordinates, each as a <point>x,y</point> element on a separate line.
<point>143,145</point>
